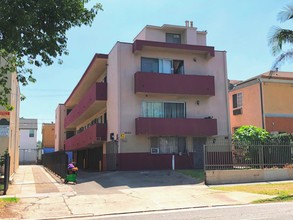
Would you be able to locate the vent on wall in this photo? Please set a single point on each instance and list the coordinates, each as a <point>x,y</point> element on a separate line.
<point>155,150</point>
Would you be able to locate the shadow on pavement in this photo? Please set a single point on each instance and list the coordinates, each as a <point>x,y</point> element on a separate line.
<point>135,179</point>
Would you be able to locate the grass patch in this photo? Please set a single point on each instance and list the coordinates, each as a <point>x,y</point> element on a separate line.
<point>283,192</point>
<point>1,187</point>
<point>198,174</point>
<point>9,200</point>
<point>281,198</point>
<point>6,201</point>
<point>267,189</point>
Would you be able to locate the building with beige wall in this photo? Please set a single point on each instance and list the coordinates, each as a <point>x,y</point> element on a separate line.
<point>264,101</point>
<point>9,123</point>
<point>48,137</point>
<point>60,113</point>
<point>163,94</point>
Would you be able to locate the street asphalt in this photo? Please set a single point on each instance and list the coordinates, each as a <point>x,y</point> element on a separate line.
<point>44,196</point>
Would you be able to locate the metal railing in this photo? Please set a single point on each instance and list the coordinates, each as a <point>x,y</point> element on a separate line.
<point>56,162</point>
<point>4,179</point>
<point>247,156</point>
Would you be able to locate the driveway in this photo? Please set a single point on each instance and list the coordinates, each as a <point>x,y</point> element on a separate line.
<point>97,182</point>
<point>43,195</point>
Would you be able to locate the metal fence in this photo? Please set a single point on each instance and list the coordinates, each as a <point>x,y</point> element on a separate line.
<point>247,156</point>
<point>56,162</point>
<point>4,177</point>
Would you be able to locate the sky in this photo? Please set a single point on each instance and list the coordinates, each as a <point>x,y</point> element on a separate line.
<point>240,27</point>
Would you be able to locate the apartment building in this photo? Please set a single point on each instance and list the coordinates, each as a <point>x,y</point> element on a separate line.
<point>48,137</point>
<point>164,94</point>
<point>264,101</point>
<point>28,152</point>
<point>9,123</point>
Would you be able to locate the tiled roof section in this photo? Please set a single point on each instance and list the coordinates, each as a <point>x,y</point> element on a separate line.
<point>278,75</point>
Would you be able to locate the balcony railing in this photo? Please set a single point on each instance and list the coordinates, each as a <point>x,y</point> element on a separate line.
<point>98,92</point>
<point>90,136</point>
<point>178,84</point>
<point>176,126</point>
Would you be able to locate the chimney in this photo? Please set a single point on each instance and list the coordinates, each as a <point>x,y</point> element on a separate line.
<point>187,23</point>
<point>191,23</point>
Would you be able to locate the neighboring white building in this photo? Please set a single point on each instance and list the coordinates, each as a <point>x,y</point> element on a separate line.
<point>28,141</point>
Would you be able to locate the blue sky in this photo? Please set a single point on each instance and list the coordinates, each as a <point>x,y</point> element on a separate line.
<point>240,27</point>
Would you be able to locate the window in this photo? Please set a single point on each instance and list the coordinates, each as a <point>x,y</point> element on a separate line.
<point>173,38</point>
<point>163,110</point>
<point>31,133</point>
<point>237,100</point>
<point>237,104</point>
<point>169,145</point>
<point>166,66</point>
<point>149,65</point>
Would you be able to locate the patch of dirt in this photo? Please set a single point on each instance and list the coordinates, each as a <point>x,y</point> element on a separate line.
<point>6,212</point>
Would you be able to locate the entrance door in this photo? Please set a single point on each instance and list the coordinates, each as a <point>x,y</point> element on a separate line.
<point>111,155</point>
<point>198,155</point>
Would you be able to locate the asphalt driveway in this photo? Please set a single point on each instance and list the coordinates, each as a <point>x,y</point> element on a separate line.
<point>104,182</point>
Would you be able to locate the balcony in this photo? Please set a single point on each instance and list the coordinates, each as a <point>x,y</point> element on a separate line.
<point>174,84</point>
<point>89,104</point>
<point>86,138</point>
<point>142,44</point>
<point>176,126</point>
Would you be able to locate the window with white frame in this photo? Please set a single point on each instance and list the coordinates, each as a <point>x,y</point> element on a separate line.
<point>169,145</point>
<point>163,110</point>
<point>167,66</point>
<point>237,103</point>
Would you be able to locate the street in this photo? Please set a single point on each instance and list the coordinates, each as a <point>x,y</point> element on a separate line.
<point>272,211</point>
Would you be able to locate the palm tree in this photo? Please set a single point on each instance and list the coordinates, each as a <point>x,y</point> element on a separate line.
<point>278,37</point>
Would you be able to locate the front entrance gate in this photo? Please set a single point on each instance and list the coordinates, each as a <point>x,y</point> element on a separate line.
<point>198,154</point>
<point>111,155</point>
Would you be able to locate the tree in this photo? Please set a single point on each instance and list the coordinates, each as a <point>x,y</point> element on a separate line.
<point>247,140</point>
<point>250,134</point>
<point>278,37</point>
<point>34,32</point>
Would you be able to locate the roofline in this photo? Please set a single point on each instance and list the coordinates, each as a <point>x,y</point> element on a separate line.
<point>261,76</point>
<point>96,56</point>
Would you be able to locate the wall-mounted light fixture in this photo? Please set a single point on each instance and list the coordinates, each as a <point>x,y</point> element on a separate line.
<point>214,140</point>
<point>194,59</point>
<point>197,102</point>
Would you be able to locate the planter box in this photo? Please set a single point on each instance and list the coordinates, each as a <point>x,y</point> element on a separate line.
<point>247,176</point>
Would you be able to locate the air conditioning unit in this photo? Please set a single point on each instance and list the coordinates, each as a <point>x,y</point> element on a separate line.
<point>155,150</point>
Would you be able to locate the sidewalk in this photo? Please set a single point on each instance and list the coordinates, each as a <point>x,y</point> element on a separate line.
<point>44,197</point>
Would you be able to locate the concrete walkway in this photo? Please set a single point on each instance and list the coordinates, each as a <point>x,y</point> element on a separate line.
<point>43,196</point>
